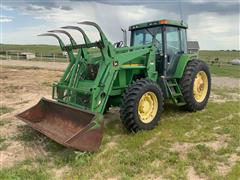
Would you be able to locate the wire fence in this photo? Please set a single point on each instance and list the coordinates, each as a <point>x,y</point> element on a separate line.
<point>63,57</point>
<point>54,57</point>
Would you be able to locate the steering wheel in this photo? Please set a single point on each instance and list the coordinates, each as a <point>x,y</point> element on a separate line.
<point>172,47</point>
<point>158,45</point>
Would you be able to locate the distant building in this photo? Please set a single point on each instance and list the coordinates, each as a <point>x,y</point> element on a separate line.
<point>28,55</point>
<point>65,54</point>
<point>193,47</point>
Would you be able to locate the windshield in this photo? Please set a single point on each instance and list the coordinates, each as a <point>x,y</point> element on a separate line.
<point>147,35</point>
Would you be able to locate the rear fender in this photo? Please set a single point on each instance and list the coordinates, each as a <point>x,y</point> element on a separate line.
<point>183,60</point>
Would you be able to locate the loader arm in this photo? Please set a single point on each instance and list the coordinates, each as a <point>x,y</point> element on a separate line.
<point>75,118</point>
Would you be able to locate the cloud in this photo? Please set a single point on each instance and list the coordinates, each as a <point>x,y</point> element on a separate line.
<point>5,19</point>
<point>182,8</point>
<point>41,8</point>
<point>66,8</point>
<point>44,4</point>
<point>35,5</point>
<point>6,8</point>
<point>214,31</point>
<point>215,24</point>
<point>188,6</point>
<point>34,8</point>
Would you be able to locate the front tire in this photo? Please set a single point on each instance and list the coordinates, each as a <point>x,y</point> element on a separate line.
<point>196,85</point>
<point>141,106</point>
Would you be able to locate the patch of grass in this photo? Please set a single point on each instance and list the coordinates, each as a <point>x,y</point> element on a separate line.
<point>235,172</point>
<point>29,68</point>
<point>37,48</point>
<point>13,88</point>
<point>3,76</point>
<point>23,102</point>
<point>26,170</point>
<point>2,140</point>
<point>227,93</point>
<point>226,70</point>
<point>4,109</point>
<point>28,136</point>
<point>223,56</point>
<point>23,67</point>
<point>3,144</point>
<point>47,83</point>
<point>203,160</point>
<point>3,122</point>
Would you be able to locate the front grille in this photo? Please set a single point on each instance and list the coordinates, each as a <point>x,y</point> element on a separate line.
<point>71,96</point>
<point>83,99</point>
<point>92,71</point>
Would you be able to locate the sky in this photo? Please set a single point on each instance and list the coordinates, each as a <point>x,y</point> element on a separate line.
<point>214,24</point>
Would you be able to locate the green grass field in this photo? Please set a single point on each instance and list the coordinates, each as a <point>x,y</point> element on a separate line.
<point>184,145</point>
<point>31,48</point>
<point>224,56</point>
<point>227,70</point>
<point>207,142</point>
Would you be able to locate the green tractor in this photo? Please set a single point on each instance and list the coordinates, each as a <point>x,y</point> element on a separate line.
<point>138,79</point>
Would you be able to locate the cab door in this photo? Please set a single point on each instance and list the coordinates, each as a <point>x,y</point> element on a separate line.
<point>175,46</point>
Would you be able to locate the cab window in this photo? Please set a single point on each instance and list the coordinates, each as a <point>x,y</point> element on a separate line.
<point>141,37</point>
<point>148,35</point>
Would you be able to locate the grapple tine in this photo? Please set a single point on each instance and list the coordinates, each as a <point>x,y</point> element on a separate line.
<point>62,45</point>
<point>95,25</point>
<point>85,37</point>
<point>73,42</point>
<point>49,34</point>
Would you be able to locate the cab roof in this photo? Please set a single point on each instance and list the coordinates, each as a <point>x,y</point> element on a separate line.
<point>180,24</point>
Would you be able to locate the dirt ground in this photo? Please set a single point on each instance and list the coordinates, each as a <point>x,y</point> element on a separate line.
<point>21,87</point>
<point>40,64</point>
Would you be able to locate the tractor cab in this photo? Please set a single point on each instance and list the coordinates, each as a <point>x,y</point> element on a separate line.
<point>169,38</point>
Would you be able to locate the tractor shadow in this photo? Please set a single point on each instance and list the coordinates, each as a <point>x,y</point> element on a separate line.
<point>114,126</point>
<point>171,109</point>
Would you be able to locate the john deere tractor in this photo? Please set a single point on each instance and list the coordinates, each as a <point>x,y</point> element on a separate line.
<point>155,67</point>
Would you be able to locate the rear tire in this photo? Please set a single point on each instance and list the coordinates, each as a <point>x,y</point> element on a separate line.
<point>142,105</point>
<point>196,85</point>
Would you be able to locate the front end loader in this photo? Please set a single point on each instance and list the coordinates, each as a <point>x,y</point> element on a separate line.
<point>137,79</point>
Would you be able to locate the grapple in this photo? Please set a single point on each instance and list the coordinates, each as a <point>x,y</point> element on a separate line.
<point>67,120</point>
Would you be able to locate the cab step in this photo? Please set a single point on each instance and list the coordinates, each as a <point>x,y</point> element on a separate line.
<point>175,92</point>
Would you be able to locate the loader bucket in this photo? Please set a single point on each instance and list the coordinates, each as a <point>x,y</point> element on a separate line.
<point>66,125</point>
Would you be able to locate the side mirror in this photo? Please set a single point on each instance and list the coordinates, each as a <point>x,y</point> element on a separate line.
<point>124,37</point>
<point>118,44</point>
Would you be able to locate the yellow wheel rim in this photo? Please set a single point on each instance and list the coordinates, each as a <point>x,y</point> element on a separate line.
<point>147,107</point>
<point>200,86</point>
